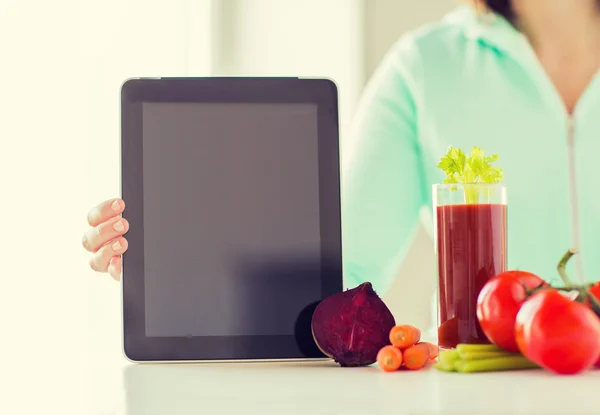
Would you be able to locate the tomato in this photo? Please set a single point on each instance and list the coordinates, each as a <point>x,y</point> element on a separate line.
<point>557,333</point>
<point>499,302</point>
<point>595,289</point>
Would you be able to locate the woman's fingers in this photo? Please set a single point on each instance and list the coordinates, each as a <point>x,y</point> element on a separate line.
<point>105,211</point>
<point>100,261</point>
<point>97,237</point>
<point>105,238</point>
<point>114,267</point>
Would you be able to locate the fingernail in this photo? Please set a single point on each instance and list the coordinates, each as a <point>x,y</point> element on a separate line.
<point>118,226</point>
<point>116,246</point>
<point>116,206</point>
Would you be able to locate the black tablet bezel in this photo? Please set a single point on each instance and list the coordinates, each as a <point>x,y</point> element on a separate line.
<point>323,92</point>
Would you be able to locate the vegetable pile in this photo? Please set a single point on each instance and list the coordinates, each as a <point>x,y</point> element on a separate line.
<point>533,324</point>
<point>406,350</point>
<point>355,328</point>
<point>530,323</point>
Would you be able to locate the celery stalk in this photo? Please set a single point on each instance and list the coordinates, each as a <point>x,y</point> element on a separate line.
<point>475,168</point>
<point>465,348</point>
<point>470,358</point>
<point>448,357</point>
<point>483,355</point>
<point>496,364</point>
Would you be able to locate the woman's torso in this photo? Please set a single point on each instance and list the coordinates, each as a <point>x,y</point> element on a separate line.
<point>484,87</point>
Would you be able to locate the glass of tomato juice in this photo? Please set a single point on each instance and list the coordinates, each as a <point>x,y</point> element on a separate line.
<point>470,246</point>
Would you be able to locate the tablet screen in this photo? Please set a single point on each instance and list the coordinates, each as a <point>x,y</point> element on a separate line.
<point>227,239</point>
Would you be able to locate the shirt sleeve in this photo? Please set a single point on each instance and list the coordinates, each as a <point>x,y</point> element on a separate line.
<point>383,186</point>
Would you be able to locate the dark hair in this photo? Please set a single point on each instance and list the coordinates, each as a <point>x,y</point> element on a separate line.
<point>502,7</point>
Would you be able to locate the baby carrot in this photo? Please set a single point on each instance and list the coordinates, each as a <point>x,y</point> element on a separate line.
<point>417,356</point>
<point>389,358</point>
<point>433,350</point>
<point>404,336</point>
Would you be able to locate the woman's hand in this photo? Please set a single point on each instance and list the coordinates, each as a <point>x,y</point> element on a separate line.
<point>105,239</point>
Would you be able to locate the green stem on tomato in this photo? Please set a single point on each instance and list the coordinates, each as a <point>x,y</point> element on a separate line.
<point>562,264</point>
<point>584,289</point>
<point>529,292</point>
<point>571,288</point>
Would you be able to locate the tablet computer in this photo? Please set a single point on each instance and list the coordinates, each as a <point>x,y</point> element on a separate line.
<point>232,191</point>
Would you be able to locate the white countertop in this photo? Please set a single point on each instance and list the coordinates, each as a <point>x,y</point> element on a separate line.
<point>325,388</point>
<point>117,387</point>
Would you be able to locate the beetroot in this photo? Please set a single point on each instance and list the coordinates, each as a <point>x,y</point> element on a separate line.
<point>351,327</point>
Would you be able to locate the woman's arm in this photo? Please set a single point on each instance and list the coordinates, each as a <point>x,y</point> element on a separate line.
<point>382,174</point>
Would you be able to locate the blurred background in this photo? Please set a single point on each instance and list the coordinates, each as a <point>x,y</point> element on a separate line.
<point>62,64</point>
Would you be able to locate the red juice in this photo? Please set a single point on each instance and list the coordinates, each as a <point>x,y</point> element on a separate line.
<point>471,248</point>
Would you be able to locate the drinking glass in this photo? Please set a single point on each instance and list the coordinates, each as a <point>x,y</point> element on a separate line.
<point>470,223</point>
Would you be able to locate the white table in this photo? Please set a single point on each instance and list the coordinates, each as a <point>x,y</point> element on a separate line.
<point>325,388</point>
